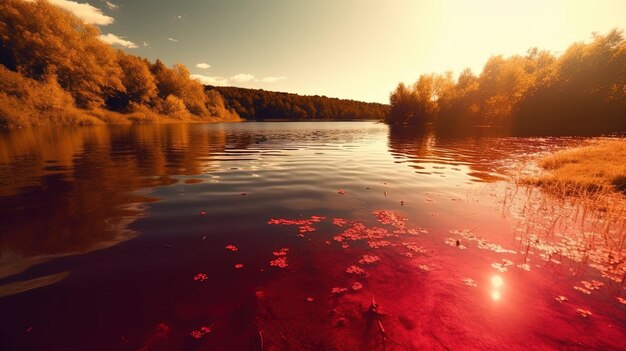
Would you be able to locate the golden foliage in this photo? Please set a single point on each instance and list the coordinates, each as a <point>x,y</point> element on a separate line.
<point>55,70</point>
<point>582,91</point>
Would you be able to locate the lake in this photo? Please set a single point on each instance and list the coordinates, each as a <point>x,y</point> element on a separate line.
<point>297,235</point>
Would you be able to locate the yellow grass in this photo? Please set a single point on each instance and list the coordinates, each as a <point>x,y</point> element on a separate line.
<point>599,167</point>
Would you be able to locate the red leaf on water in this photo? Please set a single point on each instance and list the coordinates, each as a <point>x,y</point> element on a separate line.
<point>200,333</point>
<point>337,290</point>
<point>200,277</point>
<point>339,222</point>
<point>369,259</point>
<point>583,313</point>
<point>281,252</point>
<point>356,270</point>
<point>280,262</point>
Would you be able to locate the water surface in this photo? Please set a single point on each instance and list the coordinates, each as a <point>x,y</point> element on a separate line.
<point>117,238</point>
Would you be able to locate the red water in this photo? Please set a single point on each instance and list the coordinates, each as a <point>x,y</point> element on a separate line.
<point>295,236</point>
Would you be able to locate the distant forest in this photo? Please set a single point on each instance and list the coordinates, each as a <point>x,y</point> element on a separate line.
<point>258,104</point>
<point>54,70</point>
<point>581,91</point>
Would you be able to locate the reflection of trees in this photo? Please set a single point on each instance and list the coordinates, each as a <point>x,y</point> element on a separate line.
<point>480,149</point>
<point>63,190</point>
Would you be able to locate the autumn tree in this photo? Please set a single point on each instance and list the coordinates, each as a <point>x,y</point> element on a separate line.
<point>40,39</point>
<point>583,90</point>
<point>139,83</point>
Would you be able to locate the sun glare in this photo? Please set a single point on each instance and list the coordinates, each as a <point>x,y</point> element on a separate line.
<point>497,281</point>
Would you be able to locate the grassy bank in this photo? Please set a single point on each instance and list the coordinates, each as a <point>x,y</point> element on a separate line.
<point>595,168</point>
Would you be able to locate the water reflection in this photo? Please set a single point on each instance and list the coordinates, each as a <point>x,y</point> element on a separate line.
<point>496,285</point>
<point>351,220</point>
<point>486,154</point>
<point>71,190</point>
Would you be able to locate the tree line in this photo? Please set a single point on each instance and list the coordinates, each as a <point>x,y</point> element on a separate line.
<point>54,69</point>
<point>581,91</point>
<point>258,104</point>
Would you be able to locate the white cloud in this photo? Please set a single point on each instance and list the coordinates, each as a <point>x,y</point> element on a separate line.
<point>111,5</point>
<point>146,44</point>
<point>271,79</point>
<point>203,65</point>
<point>172,39</point>
<point>242,77</point>
<point>219,81</point>
<point>113,39</point>
<point>84,11</point>
<point>178,17</point>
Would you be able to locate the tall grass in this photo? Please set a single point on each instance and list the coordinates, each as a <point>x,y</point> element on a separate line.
<point>596,168</point>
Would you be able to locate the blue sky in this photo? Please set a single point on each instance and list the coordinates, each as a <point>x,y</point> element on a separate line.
<point>349,49</point>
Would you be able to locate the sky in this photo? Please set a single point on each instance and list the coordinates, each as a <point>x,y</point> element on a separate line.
<point>348,49</point>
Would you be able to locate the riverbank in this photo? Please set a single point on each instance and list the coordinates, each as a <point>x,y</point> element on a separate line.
<point>595,168</point>
<point>23,116</point>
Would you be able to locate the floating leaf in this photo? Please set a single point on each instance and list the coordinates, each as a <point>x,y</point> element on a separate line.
<point>582,312</point>
<point>357,286</point>
<point>280,262</point>
<point>239,265</point>
<point>339,222</point>
<point>304,225</point>
<point>470,282</point>
<point>231,247</point>
<point>281,252</point>
<point>200,277</point>
<point>369,259</point>
<point>389,217</point>
<point>582,290</point>
<point>561,298</point>
<point>337,290</point>
<point>200,333</point>
<point>415,248</point>
<point>356,270</point>
<point>378,244</point>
